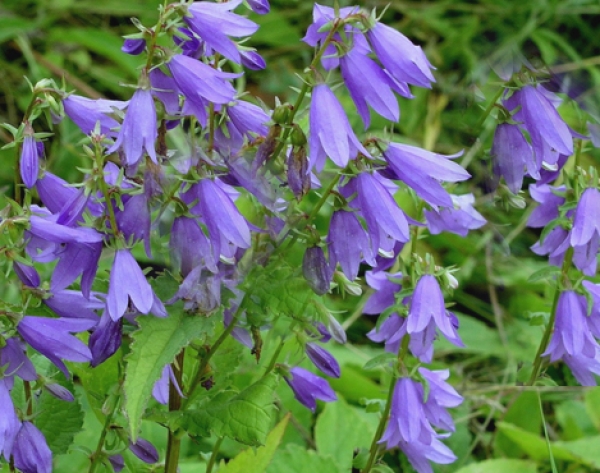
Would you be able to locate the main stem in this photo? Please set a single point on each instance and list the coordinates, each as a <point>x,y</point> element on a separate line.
<point>174,441</point>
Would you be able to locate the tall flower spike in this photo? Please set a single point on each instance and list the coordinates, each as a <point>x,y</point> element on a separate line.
<point>138,132</point>
<point>330,132</point>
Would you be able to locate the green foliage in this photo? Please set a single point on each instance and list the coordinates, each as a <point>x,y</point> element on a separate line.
<point>155,344</point>
<point>245,417</point>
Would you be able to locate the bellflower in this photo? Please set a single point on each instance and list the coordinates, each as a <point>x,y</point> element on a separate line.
<point>261,7</point>
<point>189,246</point>
<point>571,334</point>
<point>138,132</point>
<point>459,219</point>
<point>30,451</point>
<point>404,61</point>
<point>160,391</point>
<point>510,153</point>
<point>323,360</point>
<point>14,361</point>
<point>348,243</point>
<point>549,203</point>
<point>29,164</point>
<point>86,113</point>
<point>252,60</point>
<point>105,340</point>
<point>441,396</point>
<point>385,289</point>
<point>53,339</point>
<point>9,422</point>
<point>200,84</point>
<point>586,222</point>
<point>134,220</point>
<point>316,271</point>
<point>128,284</point>
<point>134,46</point>
<point>330,132</point>
<point>381,212</point>
<point>423,170</point>
<point>323,15</point>
<point>550,135</point>
<point>165,89</point>
<point>308,387</point>
<point>144,450</point>
<point>410,430</point>
<point>368,84</point>
<point>214,23</point>
<point>427,310</point>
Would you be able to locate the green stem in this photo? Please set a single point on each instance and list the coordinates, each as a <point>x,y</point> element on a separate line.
<point>274,357</point>
<point>174,440</point>
<point>28,400</point>
<point>550,327</point>
<point>97,455</point>
<point>104,189</point>
<point>213,455</point>
<point>489,108</point>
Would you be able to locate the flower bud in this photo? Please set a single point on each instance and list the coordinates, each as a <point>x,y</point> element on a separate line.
<point>316,270</point>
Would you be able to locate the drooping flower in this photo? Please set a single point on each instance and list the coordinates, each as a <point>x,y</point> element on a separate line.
<point>200,84</point>
<point>252,60</point>
<point>427,310</point>
<point>549,203</point>
<point>127,284</point>
<point>316,270</point>
<point>309,387</point>
<point>423,171</point>
<point>138,131</point>
<point>29,164</point>
<point>368,84</point>
<point>510,153</point>
<point>9,422</point>
<point>384,217</point>
<point>134,220</point>
<point>30,451</point>
<point>133,46</point>
<point>571,334</point>
<point>330,132</point>
<point>160,391</point>
<point>165,89</point>
<point>441,396</point>
<point>586,222</point>
<point>85,113</point>
<point>410,430</point>
<point>459,219</point>
<point>214,23</point>
<point>323,360</point>
<point>144,450</point>
<point>53,338</point>
<point>189,246</point>
<point>404,61</point>
<point>261,7</point>
<point>105,340</point>
<point>348,243</point>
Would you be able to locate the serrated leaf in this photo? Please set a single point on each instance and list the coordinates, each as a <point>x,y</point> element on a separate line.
<point>155,344</point>
<point>59,420</point>
<point>544,273</point>
<point>245,417</point>
<point>500,466</point>
<point>257,460</point>
<point>379,360</point>
<point>340,417</point>
<point>297,459</point>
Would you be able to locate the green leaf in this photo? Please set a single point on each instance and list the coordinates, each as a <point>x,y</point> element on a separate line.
<point>354,385</point>
<point>544,273</point>
<point>380,360</point>
<point>500,466</point>
<point>523,413</point>
<point>534,445</point>
<point>155,344</point>
<point>340,417</point>
<point>592,404</point>
<point>257,460</point>
<point>297,459</point>
<point>245,417</point>
<point>584,450</point>
<point>59,420</point>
